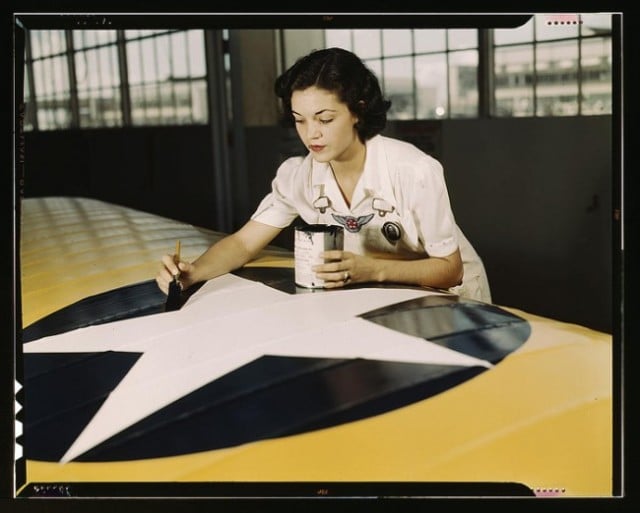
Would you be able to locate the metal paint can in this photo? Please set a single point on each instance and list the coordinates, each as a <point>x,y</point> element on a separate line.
<point>310,242</point>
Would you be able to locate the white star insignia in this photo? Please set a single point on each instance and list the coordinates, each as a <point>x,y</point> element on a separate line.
<point>226,324</point>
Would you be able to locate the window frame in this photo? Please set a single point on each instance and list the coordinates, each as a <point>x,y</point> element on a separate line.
<point>71,96</point>
<point>486,73</point>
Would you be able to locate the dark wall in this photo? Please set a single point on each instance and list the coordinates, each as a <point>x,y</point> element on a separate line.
<point>532,195</point>
<point>164,170</point>
<point>535,198</point>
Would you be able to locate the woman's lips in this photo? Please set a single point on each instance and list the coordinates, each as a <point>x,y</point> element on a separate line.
<point>316,148</point>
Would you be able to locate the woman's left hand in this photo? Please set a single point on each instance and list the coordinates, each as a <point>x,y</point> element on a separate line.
<point>343,268</point>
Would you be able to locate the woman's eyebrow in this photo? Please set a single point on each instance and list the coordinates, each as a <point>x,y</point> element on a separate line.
<point>316,113</point>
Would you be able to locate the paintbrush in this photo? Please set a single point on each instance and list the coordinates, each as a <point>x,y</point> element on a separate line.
<point>174,298</point>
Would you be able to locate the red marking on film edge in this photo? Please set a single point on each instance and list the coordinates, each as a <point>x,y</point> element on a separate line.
<point>549,492</point>
<point>562,19</point>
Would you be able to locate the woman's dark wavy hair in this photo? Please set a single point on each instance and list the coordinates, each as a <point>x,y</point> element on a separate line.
<point>342,73</point>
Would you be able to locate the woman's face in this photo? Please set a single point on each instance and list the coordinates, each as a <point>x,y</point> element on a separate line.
<point>325,124</point>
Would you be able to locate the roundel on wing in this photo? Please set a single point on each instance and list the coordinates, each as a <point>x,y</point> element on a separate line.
<point>271,396</point>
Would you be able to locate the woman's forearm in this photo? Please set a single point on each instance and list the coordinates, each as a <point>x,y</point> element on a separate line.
<point>222,257</point>
<point>233,251</point>
<point>441,273</point>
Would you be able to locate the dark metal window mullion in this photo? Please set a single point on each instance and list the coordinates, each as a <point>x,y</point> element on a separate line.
<point>486,74</point>
<point>172,78</point>
<point>534,77</point>
<point>383,66</point>
<point>218,123</point>
<point>161,119</point>
<point>240,182</point>
<point>73,84</point>
<point>125,96</point>
<point>48,85</point>
<point>32,86</point>
<point>143,82</point>
<point>189,75</point>
<point>100,89</point>
<point>448,71</point>
<point>579,41</point>
<point>414,73</point>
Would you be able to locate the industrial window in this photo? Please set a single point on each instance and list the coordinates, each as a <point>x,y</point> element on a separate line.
<point>106,78</point>
<point>554,66</point>
<point>97,78</point>
<point>551,66</point>
<point>426,73</point>
<point>167,77</point>
<point>47,86</point>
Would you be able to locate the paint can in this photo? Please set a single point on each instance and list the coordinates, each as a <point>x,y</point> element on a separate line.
<point>310,242</point>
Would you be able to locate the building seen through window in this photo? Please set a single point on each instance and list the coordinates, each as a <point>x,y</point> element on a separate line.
<point>111,78</point>
<point>108,78</point>
<point>167,77</point>
<point>542,68</point>
<point>548,69</point>
<point>426,73</point>
<point>97,78</point>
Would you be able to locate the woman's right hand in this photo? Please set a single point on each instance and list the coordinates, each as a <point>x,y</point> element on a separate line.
<point>169,269</point>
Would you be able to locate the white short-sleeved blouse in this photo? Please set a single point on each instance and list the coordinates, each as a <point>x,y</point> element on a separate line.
<point>400,207</point>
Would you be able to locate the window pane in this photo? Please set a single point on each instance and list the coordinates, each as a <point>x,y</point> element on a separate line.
<point>161,71</point>
<point>557,79</point>
<point>430,40</point>
<point>90,38</point>
<point>107,66</point>
<point>59,75</point>
<point>51,77</point>
<point>179,55</point>
<point>463,84</point>
<point>100,107</point>
<point>134,62</point>
<point>47,42</point>
<point>197,63</point>
<point>97,68</point>
<point>54,111</point>
<point>460,39</point>
<point>367,43</point>
<point>522,34</point>
<point>138,104</point>
<point>594,24</point>
<point>98,81</point>
<point>162,56</point>
<point>39,74</point>
<point>36,43</point>
<point>431,87</point>
<point>199,101</point>
<point>148,56</point>
<point>596,76</point>
<point>161,68</point>
<point>514,81</point>
<point>91,66</point>
<point>167,108</point>
<point>340,38</point>
<point>105,36</point>
<point>145,105</point>
<point>83,39</point>
<point>396,42</point>
<point>398,86</point>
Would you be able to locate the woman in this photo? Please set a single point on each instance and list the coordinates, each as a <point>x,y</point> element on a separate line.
<point>390,197</point>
